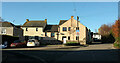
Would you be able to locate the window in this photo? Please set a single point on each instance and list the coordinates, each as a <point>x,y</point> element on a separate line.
<point>77,28</point>
<point>69,28</point>
<point>52,34</point>
<point>64,28</point>
<point>45,33</point>
<point>68,37</point>
<point>36,29</point>
<point>36,37</point>
<point>3,31</point>
<point>26,29</point>
<point>77,37</point>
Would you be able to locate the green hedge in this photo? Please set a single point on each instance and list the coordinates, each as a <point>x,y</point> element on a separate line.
<point>116,45</point>
<point>72,43</point>
<point>108,39</point>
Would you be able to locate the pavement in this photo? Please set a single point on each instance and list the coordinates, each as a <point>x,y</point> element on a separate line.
<point>94,53</point>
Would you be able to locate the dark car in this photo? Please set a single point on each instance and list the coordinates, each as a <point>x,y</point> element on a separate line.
<point>18,43</point>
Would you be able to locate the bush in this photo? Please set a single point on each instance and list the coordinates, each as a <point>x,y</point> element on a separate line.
<point>108,39</point>
<point>117,45</point>
<point>72,43</point>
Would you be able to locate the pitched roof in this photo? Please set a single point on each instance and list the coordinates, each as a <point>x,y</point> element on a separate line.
<point>6,24</point>
<point>96,33</point>
<point>18,26</point>
<point>51,28</point>
<point>62,21</point>
<point>34,24</point>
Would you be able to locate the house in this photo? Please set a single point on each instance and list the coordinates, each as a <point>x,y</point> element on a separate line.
<point>8,31</point>
<point>70,29</point>
<point>96,37</point>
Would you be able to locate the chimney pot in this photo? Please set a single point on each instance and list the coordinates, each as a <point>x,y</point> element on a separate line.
<point>72,17</point>
<point>46,20</point>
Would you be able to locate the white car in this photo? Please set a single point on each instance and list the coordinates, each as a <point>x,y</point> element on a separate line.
<point>33,42</point>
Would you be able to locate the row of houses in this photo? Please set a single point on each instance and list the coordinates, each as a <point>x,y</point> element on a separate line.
<point>70,29</point>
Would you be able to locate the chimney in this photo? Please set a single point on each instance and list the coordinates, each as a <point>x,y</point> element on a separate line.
<point>27,20</point>
<point>72,17</point>
<point>45,20</point>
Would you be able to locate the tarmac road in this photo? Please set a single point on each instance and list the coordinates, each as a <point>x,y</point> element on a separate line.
<point>95,53</point>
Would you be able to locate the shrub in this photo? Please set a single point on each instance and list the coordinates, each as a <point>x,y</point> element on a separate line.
<point>108,38</point>
<point>72,43</point>
<point>116,45</point>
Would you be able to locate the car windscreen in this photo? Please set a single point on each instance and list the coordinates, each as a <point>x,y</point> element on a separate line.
<point>31,40</point>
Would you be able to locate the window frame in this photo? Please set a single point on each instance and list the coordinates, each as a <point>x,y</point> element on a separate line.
<point>3,31</point>
<point>36,29</point>
<point>69,28</point>
<point>64,29</point>
<point>45,33</point>
<point>26,29</point>
<point>53,34</point>
<point>77,28</point>
<point>68,37</point>
<point>77,37</point>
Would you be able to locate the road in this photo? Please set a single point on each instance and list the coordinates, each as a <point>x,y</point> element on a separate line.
<point>94,53</point>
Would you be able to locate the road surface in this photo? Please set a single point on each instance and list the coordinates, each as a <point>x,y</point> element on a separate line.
<point>103,53</point>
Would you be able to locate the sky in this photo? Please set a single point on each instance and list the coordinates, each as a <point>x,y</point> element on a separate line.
<point>91,14</point>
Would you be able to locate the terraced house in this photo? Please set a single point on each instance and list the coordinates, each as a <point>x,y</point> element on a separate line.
<point>66,29</point>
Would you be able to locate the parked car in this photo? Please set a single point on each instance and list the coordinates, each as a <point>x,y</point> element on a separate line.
<point>5,45</point>
<point>33,42</point>
<point>18,43</point>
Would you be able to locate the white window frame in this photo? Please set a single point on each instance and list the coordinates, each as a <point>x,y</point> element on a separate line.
<point>3,31</point>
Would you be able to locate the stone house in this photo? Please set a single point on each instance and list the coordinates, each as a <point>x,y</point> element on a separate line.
<point>70,29</point>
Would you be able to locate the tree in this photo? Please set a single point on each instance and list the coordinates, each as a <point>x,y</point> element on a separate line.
<point>105,29</point>
<point>116,30</point>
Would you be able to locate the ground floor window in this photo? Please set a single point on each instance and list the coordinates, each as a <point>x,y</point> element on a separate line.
<point>36,37</point>
<point>68,37</point>
<point>45,33</point>
<point>52,34</point>
<point>77,37</point>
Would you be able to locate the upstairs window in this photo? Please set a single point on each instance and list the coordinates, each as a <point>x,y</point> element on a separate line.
<point>3,31</point>
<point>69,28</point>
<point>45,33</point>
<point>64,28</point>
<point>77,28</point>
<point>36,29</point>
<point>26,29</point>
<point>52,34</point>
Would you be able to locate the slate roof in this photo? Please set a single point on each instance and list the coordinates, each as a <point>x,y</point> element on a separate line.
<point>62,21</point>
<point>51,28</point>
<point>34,24</point>
<point>6,24</point>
